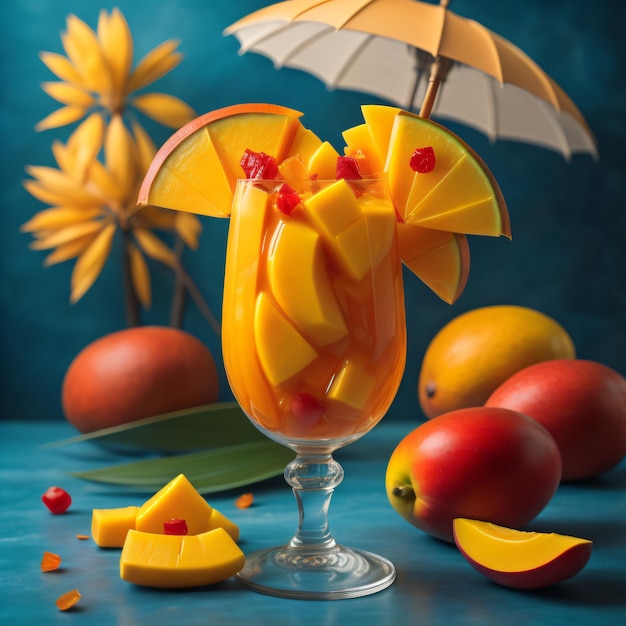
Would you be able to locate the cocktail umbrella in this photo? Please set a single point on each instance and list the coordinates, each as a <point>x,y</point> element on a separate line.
<point>423,57</point>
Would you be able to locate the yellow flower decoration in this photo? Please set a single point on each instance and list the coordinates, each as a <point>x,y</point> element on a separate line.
<point>92,200</point>
<point>97,74</point>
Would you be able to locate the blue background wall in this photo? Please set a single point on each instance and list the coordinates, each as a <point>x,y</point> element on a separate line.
<point>566,259</point>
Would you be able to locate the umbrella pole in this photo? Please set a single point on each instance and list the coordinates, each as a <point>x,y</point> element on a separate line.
<point>438,72</point>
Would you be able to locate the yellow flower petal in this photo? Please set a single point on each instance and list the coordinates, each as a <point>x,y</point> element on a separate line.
<point>83,49</point>
<point>119,152</point>
<point>146,148</point>
<point>69,94</point>
<point>168,110</point>
<point>61,117</point>
<point>58,217</point>
<point>86,141</point>
<point>106,186</point>
<point>158,62</point>
<point>67,234</point>
<point>67,251</point>
<point>154,247</point>
<point>189,227</point>
<point>59,183</point>
<point>140,275</point>
<point>90,263</point>
<point>116,43</point>
<point>152,217</point>
<point>62,67</point>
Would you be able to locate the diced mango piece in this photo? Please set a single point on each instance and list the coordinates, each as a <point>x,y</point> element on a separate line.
<point>359,144</point>
<point>323,162</point>
<point>304,144</point>
<point>177,561</point>
<point>358,232</point>
<point>178,499</point>
<point>109,527</point>
<point>352,385</point>
<point>282,350</point>
<point>380,120</point>
<point>299,280</point>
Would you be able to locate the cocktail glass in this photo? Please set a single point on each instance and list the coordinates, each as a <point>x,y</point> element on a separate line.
<point>314,343</point>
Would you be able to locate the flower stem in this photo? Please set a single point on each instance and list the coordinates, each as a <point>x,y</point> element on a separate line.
<point>132,302</point>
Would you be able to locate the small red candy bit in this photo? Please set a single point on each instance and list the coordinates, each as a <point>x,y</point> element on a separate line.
<point>175,526</point>
<point>287,199</point>
<point>348,168</point>
<point>57,500</point>
<point>423,160</point>
<point>307,408</point>
<point>259,165</point>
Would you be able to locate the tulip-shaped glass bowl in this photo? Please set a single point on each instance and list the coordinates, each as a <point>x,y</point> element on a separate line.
<point>314,344</point>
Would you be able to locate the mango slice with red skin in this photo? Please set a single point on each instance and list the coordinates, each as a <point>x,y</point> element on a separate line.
<point>520,559</point>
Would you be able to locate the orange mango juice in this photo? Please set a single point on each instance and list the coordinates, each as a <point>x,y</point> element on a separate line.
<point>314,336</point>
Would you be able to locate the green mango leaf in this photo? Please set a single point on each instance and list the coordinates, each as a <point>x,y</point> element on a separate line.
<point>197,428</point>
<point>209,471</point>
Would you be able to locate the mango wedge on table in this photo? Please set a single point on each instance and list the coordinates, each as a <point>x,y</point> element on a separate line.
<point>178,499</point>
<point>176,561</point>
<point>520,559</point>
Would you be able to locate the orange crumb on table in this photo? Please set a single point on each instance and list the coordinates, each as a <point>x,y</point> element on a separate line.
<point>244,500</point>
<point>68,600</point>
<point>50,561</point>
<point>82,537</point>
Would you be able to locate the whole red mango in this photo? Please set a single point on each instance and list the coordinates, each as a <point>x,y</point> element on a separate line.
<point>583,405</point>
<point>488,464</point>
<point>136,373</point>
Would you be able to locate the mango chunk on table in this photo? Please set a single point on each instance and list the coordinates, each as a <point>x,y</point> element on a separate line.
<point>176,500</point>
<point>177,561</point>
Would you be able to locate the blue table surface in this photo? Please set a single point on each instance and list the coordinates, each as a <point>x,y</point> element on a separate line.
<point>435,585</point>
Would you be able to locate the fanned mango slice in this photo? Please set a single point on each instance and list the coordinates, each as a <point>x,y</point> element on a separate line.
<point>440,259</point>
<point>197,168</point>
<point>435,208</point>
<point>520,559</point>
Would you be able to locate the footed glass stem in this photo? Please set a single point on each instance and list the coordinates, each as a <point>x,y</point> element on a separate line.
<point>312,565</point>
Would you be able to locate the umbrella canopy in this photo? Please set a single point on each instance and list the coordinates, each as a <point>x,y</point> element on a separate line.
<point>424,57</point>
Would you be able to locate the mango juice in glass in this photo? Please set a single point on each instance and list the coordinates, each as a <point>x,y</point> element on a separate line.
<point>314,337</point>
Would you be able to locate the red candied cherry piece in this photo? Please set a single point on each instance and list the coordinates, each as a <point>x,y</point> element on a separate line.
<point>307,408</point>
<point>57,500</point>
<point>348,168</point>
<point>259,165</point>
<point>175,526</point>
<point>287,199</point>
<point>423,160</point>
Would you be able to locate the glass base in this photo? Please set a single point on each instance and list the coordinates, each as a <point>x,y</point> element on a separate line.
<point>316,574</point>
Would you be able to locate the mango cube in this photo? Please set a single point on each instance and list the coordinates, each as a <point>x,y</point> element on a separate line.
<point>282,350</point>
<point>177,561</point>
<point>352,385</point>
<point>299,280</point>
<point>357,232</point>
<point>323,162</point>
<point>178,499</point>
<point>109,527</point>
